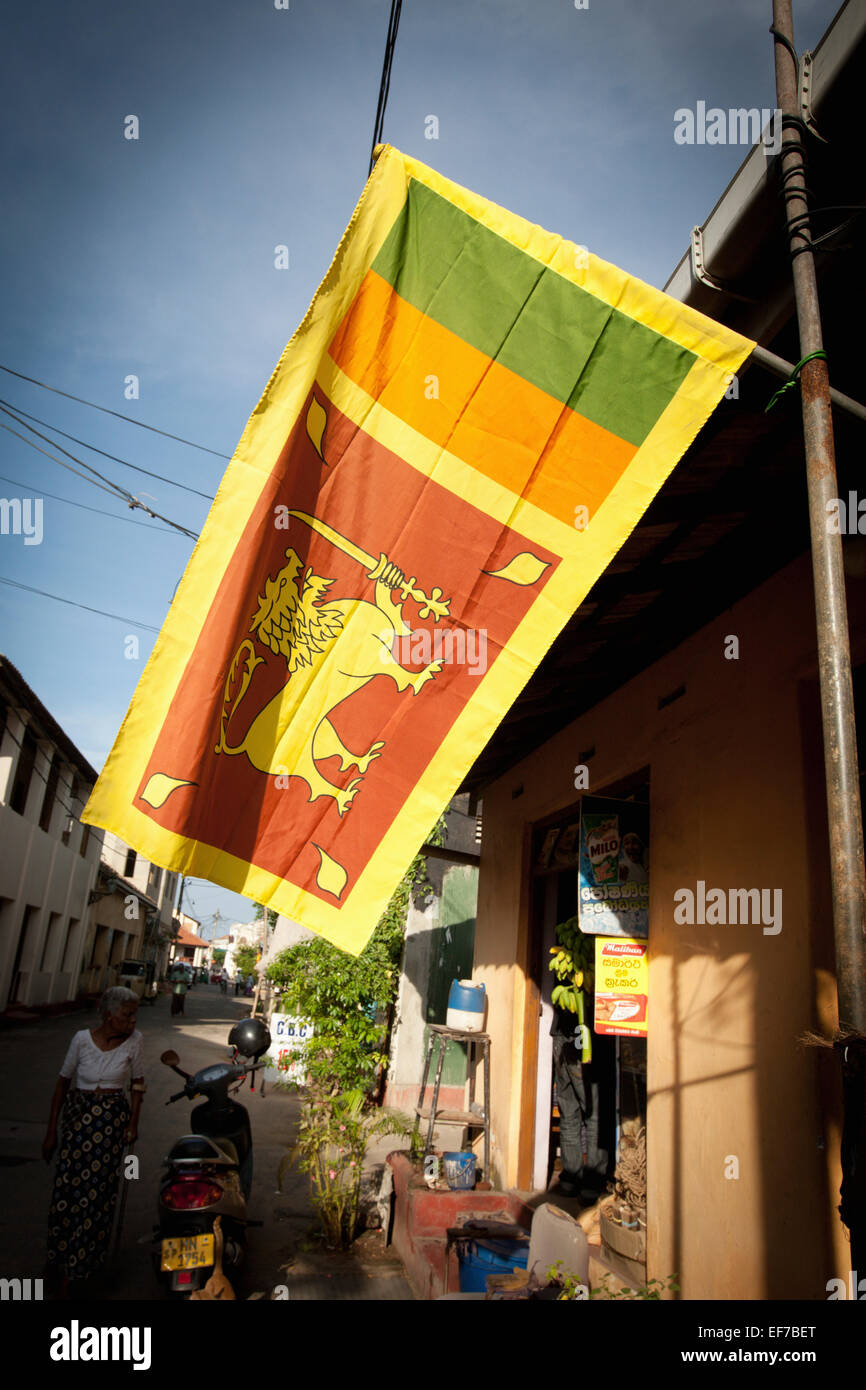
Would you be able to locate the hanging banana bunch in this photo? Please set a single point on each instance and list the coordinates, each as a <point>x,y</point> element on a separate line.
<point>573,963</point>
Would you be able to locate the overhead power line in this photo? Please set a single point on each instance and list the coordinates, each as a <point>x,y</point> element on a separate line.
<point>106,484</point>
<point>99,511</point>
<point>130,419</point>
<point>114,458</point>
<point>112,491</point>
<point>131,622</point>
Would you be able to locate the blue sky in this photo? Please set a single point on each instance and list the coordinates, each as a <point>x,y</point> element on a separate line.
<point>155,257</point>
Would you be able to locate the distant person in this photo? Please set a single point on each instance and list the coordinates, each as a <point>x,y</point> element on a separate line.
<point>179,987</point>
<point>237,982</point>
<point>224,981</point>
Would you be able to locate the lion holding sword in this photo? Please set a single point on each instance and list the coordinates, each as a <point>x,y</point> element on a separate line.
<point>332,648</point>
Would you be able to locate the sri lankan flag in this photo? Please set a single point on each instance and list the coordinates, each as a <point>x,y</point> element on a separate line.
<point>468,423</point>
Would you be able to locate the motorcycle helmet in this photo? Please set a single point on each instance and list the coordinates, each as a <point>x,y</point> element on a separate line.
<point>251,1037</point>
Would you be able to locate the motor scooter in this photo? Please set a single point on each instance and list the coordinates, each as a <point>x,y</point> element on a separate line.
<point>208,1174</point>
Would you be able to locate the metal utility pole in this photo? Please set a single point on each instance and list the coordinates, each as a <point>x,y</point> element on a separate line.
<point>834,655</point>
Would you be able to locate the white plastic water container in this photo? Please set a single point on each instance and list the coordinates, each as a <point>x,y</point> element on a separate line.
<point>466,1006</point>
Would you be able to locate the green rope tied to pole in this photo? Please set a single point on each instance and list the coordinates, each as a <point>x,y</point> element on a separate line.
<point>792,379</point>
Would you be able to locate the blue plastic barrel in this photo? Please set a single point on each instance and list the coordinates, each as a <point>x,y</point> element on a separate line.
<point>482,1257</point>
<point>466,1006</point>
<point>466,996</point>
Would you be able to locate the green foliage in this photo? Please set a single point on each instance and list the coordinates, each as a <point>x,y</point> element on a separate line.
<point>573,1289</point>
<point>219,957</point>
<point>349,1001</point>
<point>245,960</point>
<point>570,1285</point>
<point>417,1146</point>
<point>332,1141</point>
<point>260,912</point>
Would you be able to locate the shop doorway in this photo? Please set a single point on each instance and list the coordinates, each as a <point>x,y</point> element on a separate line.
<point>619,1063</point>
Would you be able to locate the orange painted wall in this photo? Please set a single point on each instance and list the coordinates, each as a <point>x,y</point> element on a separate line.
<point>737,799</point>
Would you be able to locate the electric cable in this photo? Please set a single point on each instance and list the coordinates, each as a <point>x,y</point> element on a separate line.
<point>385,80</point>
<point>112,491</point>
<point>130,420</point>
<point>128,520</point>
<point>131,622</point>
<point>119,489</point>
<point>114,458</point>
<point>115,488</point>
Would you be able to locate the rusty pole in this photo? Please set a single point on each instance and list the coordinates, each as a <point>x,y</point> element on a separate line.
<point>834,656</point>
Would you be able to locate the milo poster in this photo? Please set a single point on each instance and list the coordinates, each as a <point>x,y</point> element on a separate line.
<point>613,876</point>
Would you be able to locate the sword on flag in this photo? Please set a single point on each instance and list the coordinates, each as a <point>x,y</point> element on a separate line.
<point>383,568</point>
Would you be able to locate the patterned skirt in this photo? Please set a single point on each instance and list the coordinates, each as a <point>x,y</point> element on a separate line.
<point>86,1182</point>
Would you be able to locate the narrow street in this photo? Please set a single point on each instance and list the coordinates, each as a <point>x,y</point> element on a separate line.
<point>33,1054</point>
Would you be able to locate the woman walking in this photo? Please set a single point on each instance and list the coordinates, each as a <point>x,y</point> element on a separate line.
<point>98,1122</point>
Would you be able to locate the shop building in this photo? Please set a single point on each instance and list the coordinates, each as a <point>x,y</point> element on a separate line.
<point>687,681</point>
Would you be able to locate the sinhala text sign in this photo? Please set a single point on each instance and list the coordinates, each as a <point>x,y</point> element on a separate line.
<point>621,986</point>
<point>613,877</point>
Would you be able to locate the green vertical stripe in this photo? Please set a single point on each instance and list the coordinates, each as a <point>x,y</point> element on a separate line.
<point>564,340</point>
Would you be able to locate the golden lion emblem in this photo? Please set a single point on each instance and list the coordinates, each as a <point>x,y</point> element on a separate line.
<point>332,649</point>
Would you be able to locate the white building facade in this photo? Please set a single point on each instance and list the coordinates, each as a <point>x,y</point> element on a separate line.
<point>48,859</point>
<point>132,916</point>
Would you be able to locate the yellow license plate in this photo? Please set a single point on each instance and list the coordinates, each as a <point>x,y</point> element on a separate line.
<point>187,1252</point>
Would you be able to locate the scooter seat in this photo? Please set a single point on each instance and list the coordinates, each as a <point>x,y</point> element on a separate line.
<point>197,1147</point>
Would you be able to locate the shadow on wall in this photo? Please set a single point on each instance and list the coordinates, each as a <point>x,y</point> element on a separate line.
<point>433,960</point>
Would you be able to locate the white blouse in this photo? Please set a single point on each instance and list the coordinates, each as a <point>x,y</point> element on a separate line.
<point>96,1069</point>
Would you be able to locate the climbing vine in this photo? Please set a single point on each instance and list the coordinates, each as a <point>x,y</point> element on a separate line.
<point>350,999</point>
